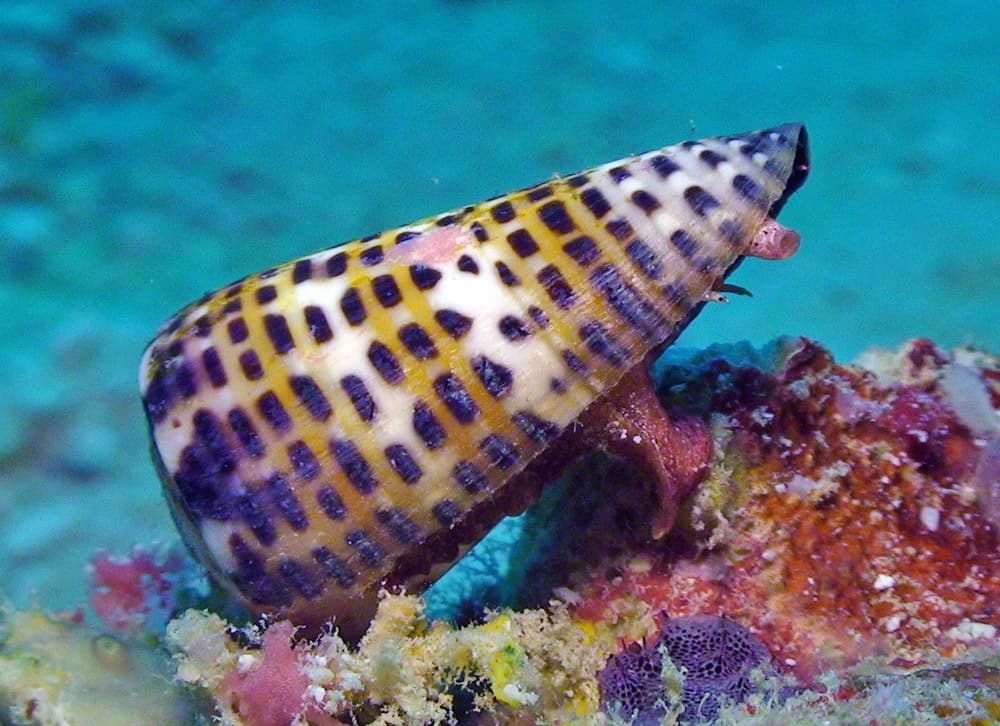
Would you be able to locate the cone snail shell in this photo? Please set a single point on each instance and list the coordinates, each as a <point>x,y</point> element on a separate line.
<point>332,424</point>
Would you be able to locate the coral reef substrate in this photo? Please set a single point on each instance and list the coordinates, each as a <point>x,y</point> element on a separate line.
<point>846,536</point>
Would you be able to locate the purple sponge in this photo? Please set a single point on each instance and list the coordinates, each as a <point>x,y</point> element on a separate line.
<point>632,686</point>
<point>714,654</point>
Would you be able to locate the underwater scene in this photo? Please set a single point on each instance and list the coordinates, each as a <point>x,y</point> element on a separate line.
<point>479,362</point>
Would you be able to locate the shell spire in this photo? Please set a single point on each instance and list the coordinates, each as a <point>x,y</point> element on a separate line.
<point>340,422</point>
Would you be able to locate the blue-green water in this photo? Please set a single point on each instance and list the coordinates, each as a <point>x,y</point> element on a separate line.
<point>150,151</point>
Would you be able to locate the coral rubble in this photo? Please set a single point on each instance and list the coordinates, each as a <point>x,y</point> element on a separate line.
<point>839,563</point>
<point>846,534</point>
<point>846,516</point>
<point>405,671</point>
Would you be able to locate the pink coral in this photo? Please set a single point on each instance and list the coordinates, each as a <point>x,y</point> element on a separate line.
<point>274,689</point>
<point>139,591</point>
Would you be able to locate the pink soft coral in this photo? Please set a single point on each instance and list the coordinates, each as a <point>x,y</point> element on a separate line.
<point>139,591</point>
<point>274,690</point>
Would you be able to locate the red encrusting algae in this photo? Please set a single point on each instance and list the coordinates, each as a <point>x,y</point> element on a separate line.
<point>852,523</point>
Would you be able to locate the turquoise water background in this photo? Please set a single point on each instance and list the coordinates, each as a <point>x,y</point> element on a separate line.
<point>150,151</point>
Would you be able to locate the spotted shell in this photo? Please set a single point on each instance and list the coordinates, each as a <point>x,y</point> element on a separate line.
<point>333,424</point>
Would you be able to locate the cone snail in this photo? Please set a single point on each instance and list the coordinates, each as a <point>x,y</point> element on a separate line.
<point>351,419</point>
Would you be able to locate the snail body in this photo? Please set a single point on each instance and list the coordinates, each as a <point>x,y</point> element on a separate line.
<point>335,423</point>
